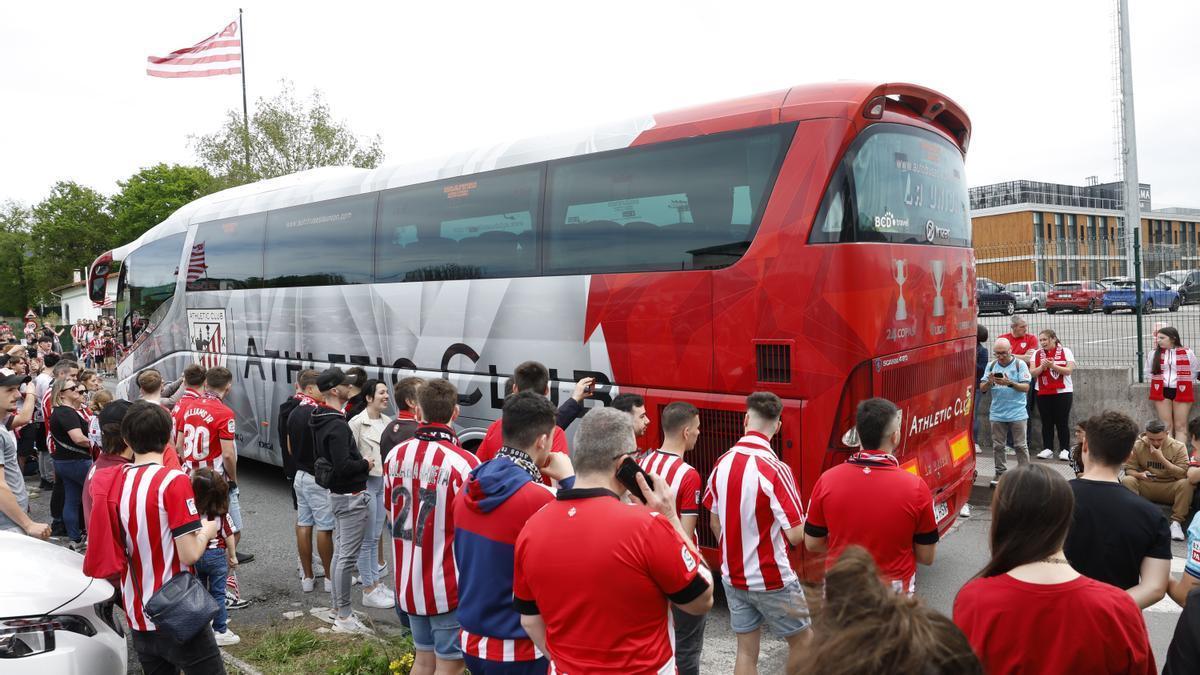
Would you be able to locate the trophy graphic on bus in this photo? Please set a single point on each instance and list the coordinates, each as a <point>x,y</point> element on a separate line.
<point>963,299</point>
<point>901,308</point>
<point>939,306</point>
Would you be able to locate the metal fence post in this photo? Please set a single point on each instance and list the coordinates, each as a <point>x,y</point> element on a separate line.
<point>1137,281</point>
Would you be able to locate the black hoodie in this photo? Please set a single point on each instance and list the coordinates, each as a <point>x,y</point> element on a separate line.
<point>332,440</point>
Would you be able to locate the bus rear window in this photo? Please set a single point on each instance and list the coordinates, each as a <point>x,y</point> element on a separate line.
<point>897,184</point>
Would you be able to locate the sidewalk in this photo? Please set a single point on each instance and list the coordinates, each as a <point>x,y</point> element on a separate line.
<point>985,470</point>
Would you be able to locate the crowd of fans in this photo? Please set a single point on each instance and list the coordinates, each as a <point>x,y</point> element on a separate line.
<point>539,552</point>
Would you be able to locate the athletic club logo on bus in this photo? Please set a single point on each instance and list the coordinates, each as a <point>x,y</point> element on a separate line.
<point>208,334</point>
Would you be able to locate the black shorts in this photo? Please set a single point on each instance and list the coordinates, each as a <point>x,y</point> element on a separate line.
<point>26,443</point>
<point>1169,393</point>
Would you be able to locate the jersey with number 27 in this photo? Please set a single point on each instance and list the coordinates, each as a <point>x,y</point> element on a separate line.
<point>421,479</point>
<point>203,423</point>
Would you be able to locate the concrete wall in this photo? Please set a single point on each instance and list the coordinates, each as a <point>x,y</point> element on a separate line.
<point>1096,390</point>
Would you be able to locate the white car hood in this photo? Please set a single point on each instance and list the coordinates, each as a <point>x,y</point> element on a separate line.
<point>37,576</point>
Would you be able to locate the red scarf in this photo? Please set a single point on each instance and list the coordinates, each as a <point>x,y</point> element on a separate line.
<point>1050,382</point>
<point>1183,365</point>
<point>305,399</point>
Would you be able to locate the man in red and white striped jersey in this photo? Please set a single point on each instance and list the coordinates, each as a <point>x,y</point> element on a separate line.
<point>681,429</point>
<point>205,430</point>
<point>422,477</point>
<point>163,537</point>
<point>756,514</point>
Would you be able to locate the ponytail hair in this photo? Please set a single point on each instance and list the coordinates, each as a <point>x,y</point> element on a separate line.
<point>867,627</point>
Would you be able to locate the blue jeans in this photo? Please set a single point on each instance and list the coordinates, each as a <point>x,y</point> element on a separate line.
<point>212,569</point>
<point>72,473</point>
<point>368,555</point>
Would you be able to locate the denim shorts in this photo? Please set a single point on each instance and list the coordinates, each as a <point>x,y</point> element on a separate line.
<point>438,634</point>
<point>235,509</point>
<point>312,503</point>
<point>784,610</point>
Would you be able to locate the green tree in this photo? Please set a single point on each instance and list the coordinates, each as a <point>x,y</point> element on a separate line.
<point>69,229</point>
<point>16,292</point>
<point>155,192</point>
<point>285,136</point>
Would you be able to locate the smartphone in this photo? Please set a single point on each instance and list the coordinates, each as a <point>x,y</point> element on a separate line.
<point>627,475</point>
<point>998,376</point>
<point>591,387</point>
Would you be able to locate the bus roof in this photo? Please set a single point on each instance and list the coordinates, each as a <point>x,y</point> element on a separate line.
<point>849,100</point>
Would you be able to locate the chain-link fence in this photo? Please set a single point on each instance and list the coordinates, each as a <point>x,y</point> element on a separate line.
<point>1080,290</point>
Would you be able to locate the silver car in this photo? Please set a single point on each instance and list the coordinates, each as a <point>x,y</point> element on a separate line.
<point>1030,295</point>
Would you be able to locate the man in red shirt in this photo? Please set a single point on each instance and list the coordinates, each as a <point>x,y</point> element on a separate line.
<point>756,513</point>
<point>205,430</point>
<point>593,576</point>
<point>1024,346</point>
<point>529,376</point>
<point>896,525</point>
<point>164,536</point>
<point>422,478</point>
<point>681,429</point>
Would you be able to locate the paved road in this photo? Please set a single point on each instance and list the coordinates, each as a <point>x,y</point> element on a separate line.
<point>272,583</point>
<point>1103,339</point>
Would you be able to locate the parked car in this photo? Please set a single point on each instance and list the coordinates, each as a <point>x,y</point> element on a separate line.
<point>1030,295</point>
<point>1107,282</point>
<point>991,297</point>
<point>1155,295</point>
<point>53,619</point>
<point>1184,282</point>
<point>1079,296</point>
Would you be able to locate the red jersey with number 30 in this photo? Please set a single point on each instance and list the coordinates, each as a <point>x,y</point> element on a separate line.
<point>203,423</point>
<point>421,479</point>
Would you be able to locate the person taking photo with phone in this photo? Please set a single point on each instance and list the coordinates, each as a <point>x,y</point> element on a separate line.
<point>627,563</point>
<point>1008,378</point>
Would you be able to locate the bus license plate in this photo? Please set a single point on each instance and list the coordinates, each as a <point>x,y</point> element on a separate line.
<point>940,511</point>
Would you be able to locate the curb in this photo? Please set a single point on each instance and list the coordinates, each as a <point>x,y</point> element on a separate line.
<point>241,665</point>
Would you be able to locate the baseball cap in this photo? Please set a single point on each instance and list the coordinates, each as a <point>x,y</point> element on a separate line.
<point>330,378</point>
<point>13,380</point>
<point>114,412</point>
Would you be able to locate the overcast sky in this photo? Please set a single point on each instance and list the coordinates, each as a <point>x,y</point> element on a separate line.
<point>432,78</point>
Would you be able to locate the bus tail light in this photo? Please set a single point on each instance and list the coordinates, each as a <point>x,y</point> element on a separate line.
<point>874,109</point>
<point>843,438</point>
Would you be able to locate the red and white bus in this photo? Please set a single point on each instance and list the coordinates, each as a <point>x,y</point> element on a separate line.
<point>813,241</point>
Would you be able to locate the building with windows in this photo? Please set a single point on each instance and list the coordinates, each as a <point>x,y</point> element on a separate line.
<point>1032,231</point>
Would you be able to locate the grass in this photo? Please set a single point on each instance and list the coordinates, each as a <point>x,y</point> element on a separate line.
<point>296,647</point>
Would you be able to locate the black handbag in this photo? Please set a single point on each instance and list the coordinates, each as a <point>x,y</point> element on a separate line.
<point>182,607</point>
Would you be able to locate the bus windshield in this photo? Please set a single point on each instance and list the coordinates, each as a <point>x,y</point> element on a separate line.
<point>149,280</point>
<point>898,184</point>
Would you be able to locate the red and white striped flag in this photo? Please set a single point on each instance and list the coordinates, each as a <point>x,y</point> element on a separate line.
<point>196,264</point>
<point>217,54</point>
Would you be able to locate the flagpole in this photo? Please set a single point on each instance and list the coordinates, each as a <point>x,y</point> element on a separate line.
<point>245,108</point>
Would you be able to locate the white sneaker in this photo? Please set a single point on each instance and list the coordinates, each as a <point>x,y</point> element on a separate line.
<point>379,598</point>
<point>355,581</point>
<point>1064,455</point>
<point>1046,454</point>
<point>1176,531</point>
<point>351,624</point>
<point>382,570</point>
<point>328,585</point>
<point>227,638</point>
<point>306,585</point>
<point>965,511</point>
